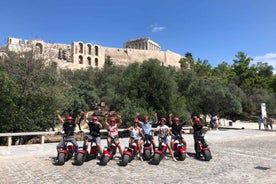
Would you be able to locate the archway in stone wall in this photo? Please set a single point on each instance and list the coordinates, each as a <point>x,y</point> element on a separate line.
<point>96,62</point>
<point>80,48</point>
<point>38,48</point>
<point>89,49</point>
<point>80,60</point>
<point>89,61</point>
<point>96,50</point>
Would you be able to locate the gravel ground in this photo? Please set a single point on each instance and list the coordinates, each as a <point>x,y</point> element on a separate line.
<point>239,156</point>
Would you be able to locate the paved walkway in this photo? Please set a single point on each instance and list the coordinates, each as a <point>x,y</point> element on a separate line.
<point>245,155</point>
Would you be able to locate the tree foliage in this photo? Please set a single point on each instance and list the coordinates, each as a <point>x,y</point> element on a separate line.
<point>32,91</point>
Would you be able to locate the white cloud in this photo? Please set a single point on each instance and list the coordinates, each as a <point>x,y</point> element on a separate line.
<point>155,28</point>
<point>269,58</point>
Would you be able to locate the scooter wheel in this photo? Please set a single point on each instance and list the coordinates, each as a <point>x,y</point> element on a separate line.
<point>147,155</point>
<point>61,159</point>
<point>207,155</point>
<point>79,159</point>
<point>125,160</point>
<point>182,156</point>
<point>156,159</point>
<point>104,160</point>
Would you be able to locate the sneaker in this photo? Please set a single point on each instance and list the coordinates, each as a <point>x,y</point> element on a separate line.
<point>141,158</point>
<point>167,158</point>
<point>174,159</point>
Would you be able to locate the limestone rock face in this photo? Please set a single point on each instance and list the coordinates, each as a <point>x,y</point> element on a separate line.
<point>82,55</point>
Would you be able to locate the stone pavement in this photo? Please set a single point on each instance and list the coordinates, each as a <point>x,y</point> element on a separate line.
<point>245,155</point>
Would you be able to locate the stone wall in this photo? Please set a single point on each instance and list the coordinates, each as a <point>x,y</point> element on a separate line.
<point>127,56</point>
<point>82,55</point>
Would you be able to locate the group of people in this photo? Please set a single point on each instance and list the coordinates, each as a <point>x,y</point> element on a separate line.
<point>139,132</point>
<point>266,121</point>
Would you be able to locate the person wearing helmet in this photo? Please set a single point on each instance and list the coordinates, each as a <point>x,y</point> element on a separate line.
<point>197,125</point>
<point>176,130</point>
<point>164,133</point>
<point>112,128</point>
<point>147,127</point>
<point>68,127</point>
<point>135,136</point>
<point>94,132</point>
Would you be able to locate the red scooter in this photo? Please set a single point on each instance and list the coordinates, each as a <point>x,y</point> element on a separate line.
<point>147,149</point>
<point>108,153</point>
<point>204,150</point>
<point>179,150</point>
<point>65,153</point>
<point>159,153</point>
<point>129,154</point>
<point>83,154</point>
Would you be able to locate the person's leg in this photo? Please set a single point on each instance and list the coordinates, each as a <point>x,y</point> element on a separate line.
<point>85,142</point>
<point>139,145</point>
<point>152,141</point>
<point>171,152</point>
<point>184,142</point>
<point>130,141</point>
<point>119,147</point>
<point>172,144</point>
<point>74,142</point>
<point>196,148</point>
<point>98,144</point>
<point>108,141</point>
<point>61,144</point>
<point>167,142</point>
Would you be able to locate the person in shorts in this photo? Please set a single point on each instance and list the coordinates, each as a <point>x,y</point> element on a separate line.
<point>147,128</point>
<point>164,133</point>
<point>94,133</point>
<point>136,135</point>
<point>113,133</point>
<point>176,131</point>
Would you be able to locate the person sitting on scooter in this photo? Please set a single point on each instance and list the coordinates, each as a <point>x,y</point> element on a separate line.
<point>94,133</point>
<point>197,126</point>
<point>112,128</point>
<point>135,136</point>
<point>164,133</point>
<point>176,130</point>
<point>68,127</point>
<point>147,127</point>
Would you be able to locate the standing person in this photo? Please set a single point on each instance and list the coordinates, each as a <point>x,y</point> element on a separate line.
<point>113,133</point>
<point>269,122</point>
<point>147,127</point>
<point>68,127</point>
<point>260,120</point>
<point>94,133</point>
<point>164,136</point>
<point>208,121</point>
<point>176,131</point>
<point>216,121</point>
<point>136,135</point>
<point>265,123</point>
<point>197,126</point>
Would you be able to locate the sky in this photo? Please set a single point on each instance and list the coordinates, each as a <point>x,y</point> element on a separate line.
<point>213,30</point>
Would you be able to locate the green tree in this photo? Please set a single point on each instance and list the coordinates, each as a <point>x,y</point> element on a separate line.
<point>35,85</point>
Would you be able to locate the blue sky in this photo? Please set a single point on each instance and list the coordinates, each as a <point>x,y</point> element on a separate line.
<point>213,30</point>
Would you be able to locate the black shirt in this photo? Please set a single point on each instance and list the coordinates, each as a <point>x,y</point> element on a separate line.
<point>197,130</point>
<point>94,129</point>
<point>177,129</point>
<point>69,128</point>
